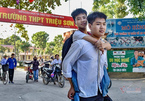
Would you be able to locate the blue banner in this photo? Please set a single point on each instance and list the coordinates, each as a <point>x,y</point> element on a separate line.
<point>126,33</point>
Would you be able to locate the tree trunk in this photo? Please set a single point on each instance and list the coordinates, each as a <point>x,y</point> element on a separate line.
<point>25,55</point>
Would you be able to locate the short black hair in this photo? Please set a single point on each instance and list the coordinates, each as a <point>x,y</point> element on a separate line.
<point>77,12</point>
<point>92,17</point>
<point>56,55</point>
<point>12,54</point>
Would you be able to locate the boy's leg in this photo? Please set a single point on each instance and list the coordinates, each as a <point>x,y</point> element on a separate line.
<point>12,74</point>
<point>107,98</point>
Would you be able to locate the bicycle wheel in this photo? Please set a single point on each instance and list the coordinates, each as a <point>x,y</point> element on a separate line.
<point>5,77</point>
<point>61,81</point>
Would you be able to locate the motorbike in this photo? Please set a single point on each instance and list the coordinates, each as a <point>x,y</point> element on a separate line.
<point>29,73</point>
<point>53,75</point>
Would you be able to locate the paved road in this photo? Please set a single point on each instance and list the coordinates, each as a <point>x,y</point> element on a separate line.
<point>122,90</point>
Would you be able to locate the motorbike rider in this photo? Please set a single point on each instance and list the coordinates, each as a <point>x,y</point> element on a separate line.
<point>55,61</point>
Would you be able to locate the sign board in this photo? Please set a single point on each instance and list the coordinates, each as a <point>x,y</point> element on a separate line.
<point>35,18</point>
<point>126,61</point>
<point>126,33</point>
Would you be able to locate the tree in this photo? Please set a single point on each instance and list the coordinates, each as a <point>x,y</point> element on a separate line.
<point>58,44</point>
<point>18,45</point>
<point>2,49</point>
<point>25,47</point>
<point>1,41</point>
<point>14,38</point>
<point>40,39</point>
<point>23,31</point>
<point>10,40</point>
<point>37,5</point>
<point>120,8</point>
<point>50,48</point>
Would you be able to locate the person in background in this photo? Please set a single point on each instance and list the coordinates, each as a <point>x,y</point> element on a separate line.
<point>40,60</point>
<point>35,68</point>
<point>41,64</point>
<point>12,65</point>
<point>56,60</point>
<point>3,63</point>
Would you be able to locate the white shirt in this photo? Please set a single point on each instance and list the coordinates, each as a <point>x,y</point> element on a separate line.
<point>83,58</point>
<point>55,61</point>
<point>78,35</point>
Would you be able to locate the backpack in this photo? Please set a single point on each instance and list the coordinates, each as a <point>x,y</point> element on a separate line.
<point>67,45</point>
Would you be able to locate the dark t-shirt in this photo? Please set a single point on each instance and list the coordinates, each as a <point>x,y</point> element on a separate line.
<point>35,65</point>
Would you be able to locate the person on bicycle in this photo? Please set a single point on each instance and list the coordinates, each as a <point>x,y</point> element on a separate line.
<point>3,63</point>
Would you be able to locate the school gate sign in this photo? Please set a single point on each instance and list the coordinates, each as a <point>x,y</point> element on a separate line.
<point>35,18</point>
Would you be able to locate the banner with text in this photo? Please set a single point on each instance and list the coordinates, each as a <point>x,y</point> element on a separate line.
<point>126,33</point>
<point>126,61</point>
<point>35,18</point>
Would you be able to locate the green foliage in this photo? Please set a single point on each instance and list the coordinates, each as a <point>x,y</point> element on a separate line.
<point>10,40</point>
<point>120,8</point>
<point>40,39</point>
<point>50,48</point>
<point>24,46</point>
<point>58,44</point>
<point>137,8</point>
<point>37,5</point>
<point>55,47</point>
<point>23,31</point>
<point>18,47</point>
<point>14,38</point>
<point>2,49</point>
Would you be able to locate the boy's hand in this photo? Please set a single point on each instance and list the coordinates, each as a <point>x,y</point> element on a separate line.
<point>71,93</point>
<point>99,44</point>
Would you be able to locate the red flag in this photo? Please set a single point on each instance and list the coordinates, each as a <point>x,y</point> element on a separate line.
<point>31,1</point>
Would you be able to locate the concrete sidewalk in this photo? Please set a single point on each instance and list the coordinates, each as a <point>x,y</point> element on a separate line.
<point>121,90</point>
<point>127,90</point>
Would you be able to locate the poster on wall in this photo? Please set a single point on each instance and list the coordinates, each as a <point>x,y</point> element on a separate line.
<point>126,61</point>
<point>126,33</point>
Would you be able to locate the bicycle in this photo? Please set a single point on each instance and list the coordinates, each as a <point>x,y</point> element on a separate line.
<point>4,75</point>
